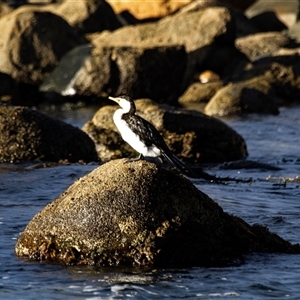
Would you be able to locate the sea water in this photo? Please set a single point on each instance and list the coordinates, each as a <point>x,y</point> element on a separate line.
<point>268,197</point>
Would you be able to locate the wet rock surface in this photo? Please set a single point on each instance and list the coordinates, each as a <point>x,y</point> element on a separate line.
<point>26,135</point>
<point>191,135</point>
<point>140,214</point>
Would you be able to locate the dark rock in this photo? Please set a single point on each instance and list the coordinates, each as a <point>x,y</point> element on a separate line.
<point>32,42</point>
<point>205,30</point>
<point>248,165</point>
<point>240,5</point>
<point>86,16</point>
<point>253,100</point>
<point>26,135</point>
<point>191,135</point>
<point>225,61</point>
<point>280,11</point>
<point>62,79</point>
<point>268,21</point>
<point>140,71</point>
<point>8,89</point>
<point>138,214</point>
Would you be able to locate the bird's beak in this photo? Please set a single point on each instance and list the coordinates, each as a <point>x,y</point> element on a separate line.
<point>114,99</point>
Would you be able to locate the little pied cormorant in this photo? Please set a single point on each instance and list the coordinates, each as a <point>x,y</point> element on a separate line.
<point>142,135</point>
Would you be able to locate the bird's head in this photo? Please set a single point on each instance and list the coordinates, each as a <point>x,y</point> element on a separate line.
<point>125,102</point>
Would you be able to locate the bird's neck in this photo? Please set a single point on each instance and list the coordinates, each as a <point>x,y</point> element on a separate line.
<point>130,111</point>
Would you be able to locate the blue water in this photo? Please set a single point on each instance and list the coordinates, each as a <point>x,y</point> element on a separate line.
<point>271,199</point>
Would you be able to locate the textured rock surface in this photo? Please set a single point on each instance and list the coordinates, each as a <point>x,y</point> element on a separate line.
<point>143,70</point>
<point>87,16</point>
<point>26,134</point>
<point>191,135</point>
<point>200,32</point>
<point>139,214</point>
<point>30,45</point>
<point>262,44</point>
<point>271,82</point>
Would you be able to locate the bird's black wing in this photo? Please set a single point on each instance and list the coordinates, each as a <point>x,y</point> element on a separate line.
<point>146,131</point>
<point>151,137</point>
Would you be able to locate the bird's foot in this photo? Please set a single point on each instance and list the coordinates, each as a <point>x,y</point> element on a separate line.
<point>134,159</point>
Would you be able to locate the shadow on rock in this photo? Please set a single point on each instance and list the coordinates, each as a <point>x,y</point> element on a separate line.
<point>26,134</point>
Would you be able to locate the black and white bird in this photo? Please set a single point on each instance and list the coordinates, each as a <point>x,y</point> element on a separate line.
<point>142,135</point>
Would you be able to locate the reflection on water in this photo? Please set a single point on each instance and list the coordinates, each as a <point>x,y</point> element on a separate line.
<point>269,199</point>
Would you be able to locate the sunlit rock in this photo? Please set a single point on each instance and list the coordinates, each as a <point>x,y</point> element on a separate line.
<point>138,214</point>
<point>200,35</point>
<point>200,92</point>
<point>271,82</point>
<point>258,45</point>
<point>191,135</point>
<point>32,42</point>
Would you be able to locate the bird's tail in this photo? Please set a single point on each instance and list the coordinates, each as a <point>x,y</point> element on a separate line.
<point>175,161</point>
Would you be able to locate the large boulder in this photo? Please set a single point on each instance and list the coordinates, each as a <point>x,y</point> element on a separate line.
<point>138,214</point>
<point>200,32</point>
<point>32,43</point>
<point>191,135</point>
<point>271,82</point>
<point>143,70</point>
<point>26,134</point>
<point>86,16</point>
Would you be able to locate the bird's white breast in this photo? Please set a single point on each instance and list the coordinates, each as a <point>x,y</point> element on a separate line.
<point>131,138</point>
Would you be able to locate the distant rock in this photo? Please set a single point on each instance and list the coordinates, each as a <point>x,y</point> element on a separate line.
<point>147,9</point>
<point>32,42</point>
<point>141,70</point>
<point>249,96</point>
<point>242,25</point>
<point>160,8</point>
<point>268,21</point>
<point>272,81</point>
<point>279,11</point>
<point>294,32</point>
<point>27,134</point>
<point>200,92</point>
<point>8,89</point>
<point>138,214</point>
<point>4,9</point>
<point>205,31</point>
<point>263,44</point>
<point>86,16</point>
<point>191,135</point>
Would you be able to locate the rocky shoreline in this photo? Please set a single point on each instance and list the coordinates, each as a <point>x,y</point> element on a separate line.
<point>216,53</point>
